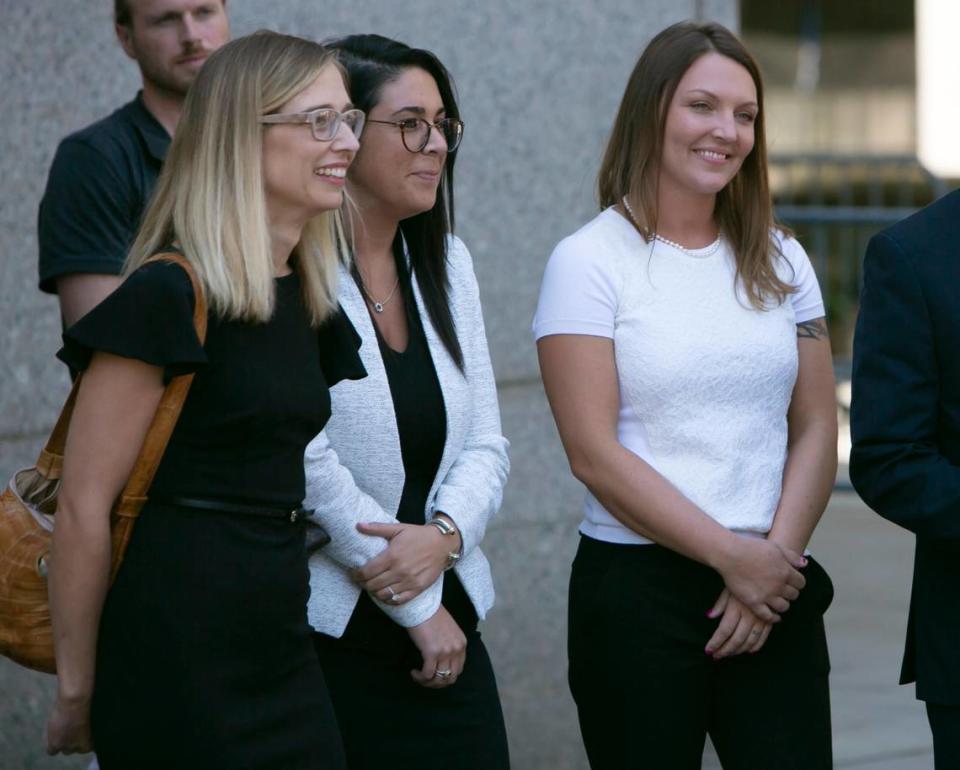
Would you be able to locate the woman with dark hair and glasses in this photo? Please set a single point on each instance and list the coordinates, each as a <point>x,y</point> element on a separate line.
<point>683,349</point>
<point>412,466</point>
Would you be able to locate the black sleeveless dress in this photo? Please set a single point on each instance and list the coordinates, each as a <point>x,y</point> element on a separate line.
<point>204,656</point>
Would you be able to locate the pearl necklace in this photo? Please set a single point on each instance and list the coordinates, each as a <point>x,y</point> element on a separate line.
<point>706,251</point>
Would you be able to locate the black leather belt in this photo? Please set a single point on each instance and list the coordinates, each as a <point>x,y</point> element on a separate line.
<point>225,506</point>
<point>316,535</point>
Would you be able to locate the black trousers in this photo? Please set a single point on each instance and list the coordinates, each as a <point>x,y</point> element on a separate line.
<point>647,694</point>
<point>945,725</point>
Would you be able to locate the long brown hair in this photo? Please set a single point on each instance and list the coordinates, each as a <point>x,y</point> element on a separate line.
<point>744,209</point>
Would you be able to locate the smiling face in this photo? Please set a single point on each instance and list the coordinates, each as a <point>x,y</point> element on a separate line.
<point>171,39</point>
<point>709,128</point>
<point>386,177</point>
<point>302,176</point>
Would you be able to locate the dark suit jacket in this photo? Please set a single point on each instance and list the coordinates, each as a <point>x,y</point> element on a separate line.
<point>905,421</point>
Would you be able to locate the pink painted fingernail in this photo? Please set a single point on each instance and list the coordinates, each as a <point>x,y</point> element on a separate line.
<point>708,651</point>
<point>710,613</point>
<point>803,561</point>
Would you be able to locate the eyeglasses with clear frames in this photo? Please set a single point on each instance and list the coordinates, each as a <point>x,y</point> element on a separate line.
<point>415,132</point>
<point>324,123</point>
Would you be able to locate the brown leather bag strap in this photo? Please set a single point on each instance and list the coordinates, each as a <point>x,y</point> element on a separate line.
<point>168,411</point>
<point>131,501</point>
<point>50,461</point>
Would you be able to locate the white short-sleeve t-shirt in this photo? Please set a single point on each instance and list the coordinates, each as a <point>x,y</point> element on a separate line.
<point>705,378</point>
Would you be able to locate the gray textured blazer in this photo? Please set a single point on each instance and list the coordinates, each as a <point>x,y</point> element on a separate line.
<point>355,472</point>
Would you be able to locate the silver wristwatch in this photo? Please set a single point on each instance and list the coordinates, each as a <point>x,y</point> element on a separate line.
<point>446,528</point>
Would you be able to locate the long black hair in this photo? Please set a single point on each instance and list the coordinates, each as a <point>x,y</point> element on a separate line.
<point>371,62</point>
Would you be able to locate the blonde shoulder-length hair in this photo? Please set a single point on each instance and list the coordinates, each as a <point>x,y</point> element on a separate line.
<point>210,195</point>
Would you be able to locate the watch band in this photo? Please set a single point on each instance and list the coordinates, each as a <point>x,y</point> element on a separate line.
<point>446,528</point>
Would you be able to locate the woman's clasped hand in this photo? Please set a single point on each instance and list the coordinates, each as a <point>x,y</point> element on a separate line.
<point>763,575</point>
<point>416,556</point>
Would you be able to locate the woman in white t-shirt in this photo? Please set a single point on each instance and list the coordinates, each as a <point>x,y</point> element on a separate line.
<point>684,351</point>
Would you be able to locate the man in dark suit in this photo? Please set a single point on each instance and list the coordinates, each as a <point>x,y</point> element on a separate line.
<point>905,421</point>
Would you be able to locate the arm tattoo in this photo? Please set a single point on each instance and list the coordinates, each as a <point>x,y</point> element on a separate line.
<point>814,329</point>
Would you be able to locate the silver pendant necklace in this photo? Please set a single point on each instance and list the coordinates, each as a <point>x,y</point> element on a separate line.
<point>378,305</point>
<point>706,251</point>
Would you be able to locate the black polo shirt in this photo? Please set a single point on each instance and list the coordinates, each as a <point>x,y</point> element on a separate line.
<point>99,184</point>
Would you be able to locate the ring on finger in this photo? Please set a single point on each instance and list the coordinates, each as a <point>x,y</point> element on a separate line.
<point>755,632</point>
<point>442,673</point>
<point>394,596</point>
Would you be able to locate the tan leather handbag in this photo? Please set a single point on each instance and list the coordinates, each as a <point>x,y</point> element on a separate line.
<point>28,505</point>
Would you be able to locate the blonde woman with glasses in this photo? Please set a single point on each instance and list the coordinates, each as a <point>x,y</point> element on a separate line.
<point>200,654</point>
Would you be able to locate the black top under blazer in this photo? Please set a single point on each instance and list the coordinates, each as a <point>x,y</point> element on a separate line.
<point>905,424</point>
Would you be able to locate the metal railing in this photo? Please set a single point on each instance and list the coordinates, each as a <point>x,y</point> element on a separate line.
<point>835,204</point>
